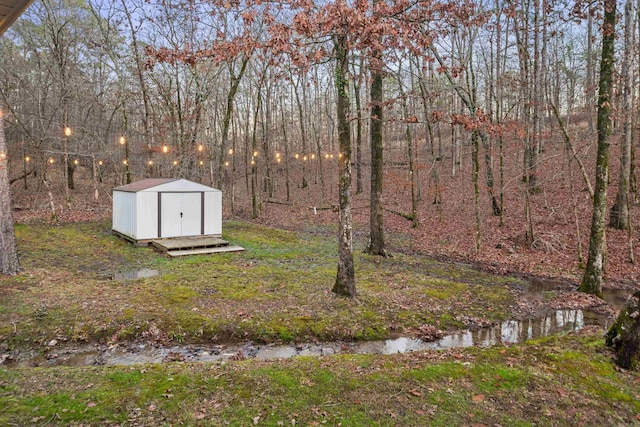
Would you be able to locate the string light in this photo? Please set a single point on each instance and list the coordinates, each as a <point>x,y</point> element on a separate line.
<point>100,163</point>
<point>326,156</point>
<point>339,155</point>
<point>200,147</point>
<point>201,162</point>
<point>175,163</point>
<point>231,151</point>
<point>3,155</point>
<point>313,157</point>
<point>124,162</point>
<point>165,149</point>
<point>255,154</point>
<point>304,158</point>
<point>122,140</point>
<point>253,162</point>
<point>278,159</point>
<point>75,162</point>
<point>51,161</point>
<point>67,131</point>
<point>331,156</point>
<point>27,159</point>
<point>150,162</point>
<point>277,155</point>
<point>297,156</point>
<point>226,163</point>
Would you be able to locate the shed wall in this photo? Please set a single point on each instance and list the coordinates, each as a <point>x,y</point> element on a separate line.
<point>213,213</point>
<point>124,213</point>
<point>147,220</point>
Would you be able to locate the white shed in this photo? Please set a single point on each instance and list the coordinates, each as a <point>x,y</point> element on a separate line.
<point>166,207</point>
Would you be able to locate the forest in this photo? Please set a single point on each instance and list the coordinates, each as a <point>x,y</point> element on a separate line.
<point>469,166</point>
<point>485,113</point>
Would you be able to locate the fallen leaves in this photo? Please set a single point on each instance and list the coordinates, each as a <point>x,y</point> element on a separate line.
<point>415,392</point>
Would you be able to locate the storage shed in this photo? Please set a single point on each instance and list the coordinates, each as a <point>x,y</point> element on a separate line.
<point>162,208</point>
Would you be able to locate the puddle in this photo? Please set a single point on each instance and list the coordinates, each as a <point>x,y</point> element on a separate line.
<point>135,274</point>
<point>504,333</point>
<point>507,332</point>
<point>538,288</point>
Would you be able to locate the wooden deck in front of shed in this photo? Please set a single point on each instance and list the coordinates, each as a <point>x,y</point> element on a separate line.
<point>198,245</point>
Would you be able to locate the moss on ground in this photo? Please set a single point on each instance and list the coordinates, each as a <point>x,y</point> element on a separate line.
<point>277,290</point>
<point>564,380</point>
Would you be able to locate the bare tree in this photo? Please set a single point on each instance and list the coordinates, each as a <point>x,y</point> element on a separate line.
<point>593,274</point>
<point>9,263</point>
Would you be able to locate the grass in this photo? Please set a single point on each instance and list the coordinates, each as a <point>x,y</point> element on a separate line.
<point>277,290</point>
<point>552,381</point>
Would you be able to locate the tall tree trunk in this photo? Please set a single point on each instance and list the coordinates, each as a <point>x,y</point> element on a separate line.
<point>287,178</point>
<point>255,202</point>
<point>619,214</point>
<point>9,263</point>
<point>303,132</point>
<point>376,244</point>
<point>590,90</point>
<point>593,274</point>
<point>231,94</point>
<point>476,189</point>
<point>410,153</point>
<point>345,279</point>
<point>357,86</point>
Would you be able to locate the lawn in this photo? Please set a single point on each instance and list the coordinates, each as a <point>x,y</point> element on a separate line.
<point>278,290</point>
<point>552,381</point>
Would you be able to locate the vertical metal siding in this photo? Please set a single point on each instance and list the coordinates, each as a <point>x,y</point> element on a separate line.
<point>213,213</point>
<point>147,221</point>
<point>124,213</point>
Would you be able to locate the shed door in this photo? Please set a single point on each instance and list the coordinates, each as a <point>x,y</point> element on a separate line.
<point>180,214</point>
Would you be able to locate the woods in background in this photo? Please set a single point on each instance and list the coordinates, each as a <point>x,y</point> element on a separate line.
<point>268,101</point>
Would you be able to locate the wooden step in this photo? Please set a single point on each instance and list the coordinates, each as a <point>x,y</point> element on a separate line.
<point>164,245</point>
<point>204,251</point>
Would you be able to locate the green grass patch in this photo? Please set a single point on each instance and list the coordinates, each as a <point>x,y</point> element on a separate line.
<point>277,290</point>
<point>517,386</point>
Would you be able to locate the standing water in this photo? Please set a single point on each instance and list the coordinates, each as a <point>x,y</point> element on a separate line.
<point>506,332</point>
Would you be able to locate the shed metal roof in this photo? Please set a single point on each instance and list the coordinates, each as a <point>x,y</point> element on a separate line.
<point>10,10</point>
<point>145,184</point>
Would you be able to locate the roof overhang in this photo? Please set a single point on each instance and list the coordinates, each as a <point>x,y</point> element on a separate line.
<point>10,10</point>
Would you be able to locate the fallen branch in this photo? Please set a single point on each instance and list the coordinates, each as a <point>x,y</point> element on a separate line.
<point>332,208</point>
<point>408,217</point>
<point>26,174</point>
<point>278,202</point>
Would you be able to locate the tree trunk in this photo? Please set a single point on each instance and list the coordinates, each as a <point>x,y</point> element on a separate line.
<point>624,334</point>
<point>71,168</point>
<point>9,263</point>
<point>476,189</point>
<point>303,132</point>
<point>592,280</point>
<point>619,214</point>
<point>231,94</point>
<point>590,90</point>
<point>358,84</point>
<point>376,244</point>
<point>345,279</point>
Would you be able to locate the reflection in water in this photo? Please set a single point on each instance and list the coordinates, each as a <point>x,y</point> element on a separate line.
<point>517,331</point>
<point>507,332</point>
